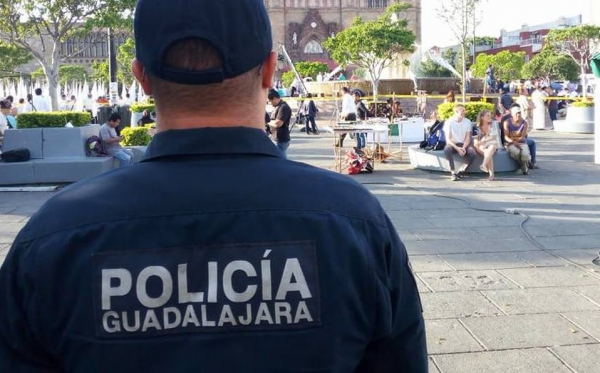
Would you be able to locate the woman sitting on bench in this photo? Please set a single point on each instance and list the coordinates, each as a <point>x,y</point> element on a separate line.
<point>486,143</point>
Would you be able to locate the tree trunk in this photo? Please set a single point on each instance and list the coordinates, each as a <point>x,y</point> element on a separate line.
<point>52,75</point>
<point>375,83</point>
<point>583,80</point>
<point>464,72</point>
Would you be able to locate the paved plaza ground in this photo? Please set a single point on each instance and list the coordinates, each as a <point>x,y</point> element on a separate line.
<point>499,295</point>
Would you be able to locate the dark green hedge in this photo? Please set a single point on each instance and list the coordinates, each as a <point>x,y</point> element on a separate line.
<point>446,110</point>
<point>53,119</point>
<point>139,107</point>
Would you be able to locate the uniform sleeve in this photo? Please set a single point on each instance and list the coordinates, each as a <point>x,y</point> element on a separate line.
<point>20,350</point>
<point>398,344</point>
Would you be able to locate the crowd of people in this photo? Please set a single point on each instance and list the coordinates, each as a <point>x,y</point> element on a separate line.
<point>485,137</point>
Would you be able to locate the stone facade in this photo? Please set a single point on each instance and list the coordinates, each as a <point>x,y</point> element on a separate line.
<point>303,25</point>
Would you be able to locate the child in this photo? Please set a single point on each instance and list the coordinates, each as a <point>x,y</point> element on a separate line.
<point>486,144</point>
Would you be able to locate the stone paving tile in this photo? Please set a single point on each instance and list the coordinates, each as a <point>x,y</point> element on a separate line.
<point>444,234</point>
<point>432,367</point>
<point>584,358</point>
<point>579,256</point>
<point>473,222</point>
<point>421,286</point>
<point>541,259</point>
<point>563,229</point>
<point>407,236</point>
<point>492,232</point>
<point>487,260</point>
<point>591,292</point>
<point>408,223</point>
<point>526,361</point>
<point>571,242</point>
<point>449,305</point>
<point>550,276</point>
<point>522,331</point>
<point>449,336</point>
<point>539,300</point>
<point>430,247</point>
<point>429,263</point>
<point>501,244</point>
<point>7,237</point>
<point>466,280</point>
<point>588,321</point>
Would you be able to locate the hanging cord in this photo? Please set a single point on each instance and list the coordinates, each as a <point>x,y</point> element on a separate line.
<point>510,211</point>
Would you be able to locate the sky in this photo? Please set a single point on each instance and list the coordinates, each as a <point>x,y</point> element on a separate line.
<point>499,14</point>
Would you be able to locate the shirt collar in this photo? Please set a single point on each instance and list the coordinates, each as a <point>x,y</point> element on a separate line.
<point>234,140</point>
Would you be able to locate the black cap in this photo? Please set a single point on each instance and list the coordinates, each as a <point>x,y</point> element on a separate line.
<point>238,29</point>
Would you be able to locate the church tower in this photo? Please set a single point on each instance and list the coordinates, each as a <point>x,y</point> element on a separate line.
<point>303,25</point>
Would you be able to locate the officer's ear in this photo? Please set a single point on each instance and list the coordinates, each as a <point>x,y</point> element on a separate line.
<point>268,70</point>
<point>139,71</point>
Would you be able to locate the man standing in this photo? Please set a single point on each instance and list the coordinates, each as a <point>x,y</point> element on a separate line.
<point>214,253</point>
<point>348,112</point>
<point>458,140</point>
<point>282,115</point>
<point>111,140</point>
<point>39,102</point>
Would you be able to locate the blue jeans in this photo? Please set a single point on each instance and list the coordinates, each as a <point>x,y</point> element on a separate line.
<point>283,147</point>
<point>531,144</point>
<point>361,140</point>
<point>310,122</point>
<point>124,156</point>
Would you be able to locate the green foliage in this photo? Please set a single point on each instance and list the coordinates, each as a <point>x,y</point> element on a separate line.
<point>434,70</point>
<point>53,119</point>
<point>311,69</point>
<point>136,136</point>
<point>67,74</point>
<point>125,55</point>
<point>551,66</point>
<point>100,71</point>
<point>12,56</point>
<point>373,45</point>
<point>287,78</point>
<point>507,65</point>
<point>138,107</point>
<point>446,110</point>
<point>583,104</point>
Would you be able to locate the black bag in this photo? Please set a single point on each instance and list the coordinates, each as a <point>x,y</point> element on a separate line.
<point>16,155</point>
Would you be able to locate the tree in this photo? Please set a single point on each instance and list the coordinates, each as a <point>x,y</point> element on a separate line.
<point>100,71</point>
<point>51,22</point>
<point>580,43</point>
<point>551,66</point>
<point>373,45</point>
<point>311,69</point>
<point>67,74</point>
<point>125,55</point>
<point>507,65</point>
<point>460,16</point>
<point>12,56</point>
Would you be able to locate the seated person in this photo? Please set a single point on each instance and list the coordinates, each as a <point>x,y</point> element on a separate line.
<point>458,131</point>
<point>145,119</point>
<point>515,135</point>
<point>397,111</point>
<point>111,141</point>
<point>530,142</point>
<point>486,143</point>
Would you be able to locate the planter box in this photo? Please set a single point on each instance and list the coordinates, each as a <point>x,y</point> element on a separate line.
<point>579,120</point>
<point>29,138</point>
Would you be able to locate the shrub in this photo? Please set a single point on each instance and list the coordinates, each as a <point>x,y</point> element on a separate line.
<point>139,107</point>
<point>136,136</point>
<point>53,119</point>
<point>583,104</point>
<point>446,110</point>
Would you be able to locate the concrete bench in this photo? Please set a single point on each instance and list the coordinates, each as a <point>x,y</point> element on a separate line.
<point>434,160</point>
<point>57,156</point>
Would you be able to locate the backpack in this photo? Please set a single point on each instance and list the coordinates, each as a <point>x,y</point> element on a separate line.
<point>436,139</point>
<point>16,155</point>
<point>94,147</point>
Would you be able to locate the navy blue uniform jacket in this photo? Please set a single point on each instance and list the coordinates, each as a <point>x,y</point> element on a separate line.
<point>214,254</point>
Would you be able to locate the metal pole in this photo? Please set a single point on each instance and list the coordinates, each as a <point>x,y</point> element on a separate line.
<point>112,68</point>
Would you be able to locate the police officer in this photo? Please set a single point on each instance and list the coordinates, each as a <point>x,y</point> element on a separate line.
<point>214,254</point>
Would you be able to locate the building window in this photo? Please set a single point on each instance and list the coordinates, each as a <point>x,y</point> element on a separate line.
<point>313,47</point>
<point>377,3</point>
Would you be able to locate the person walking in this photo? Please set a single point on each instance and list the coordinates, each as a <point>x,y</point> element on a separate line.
<point>215,253</point>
